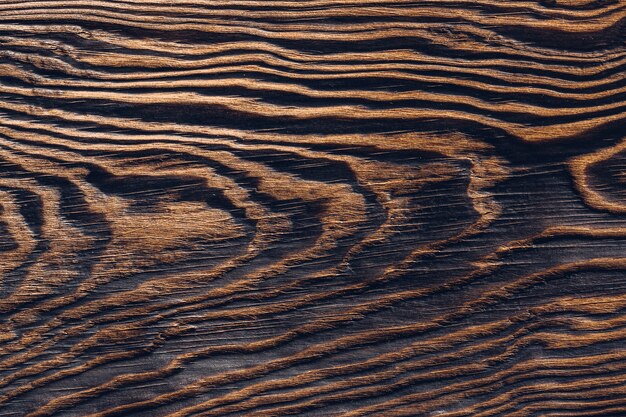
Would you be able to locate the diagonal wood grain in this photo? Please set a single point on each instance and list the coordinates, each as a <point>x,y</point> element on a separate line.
<point>340,208</point>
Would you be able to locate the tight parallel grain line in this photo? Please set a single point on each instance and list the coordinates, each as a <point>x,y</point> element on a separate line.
<point>378,9</point>
<point>256,85</point>
<point>254,107</point>
<point>246,105</point>
<point>590,24</point>
<point>463,38</point>
<point>549,87</point>
<point>437,34</point>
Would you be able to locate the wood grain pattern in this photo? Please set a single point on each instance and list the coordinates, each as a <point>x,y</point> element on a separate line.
<point>312,208</point>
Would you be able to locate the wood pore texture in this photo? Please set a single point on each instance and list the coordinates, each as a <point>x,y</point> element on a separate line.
<point>316,208</point>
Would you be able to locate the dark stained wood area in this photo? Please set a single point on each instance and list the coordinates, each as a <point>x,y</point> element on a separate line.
<point>313,208</point>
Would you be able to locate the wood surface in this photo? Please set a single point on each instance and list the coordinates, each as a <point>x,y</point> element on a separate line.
<point>312,208</point>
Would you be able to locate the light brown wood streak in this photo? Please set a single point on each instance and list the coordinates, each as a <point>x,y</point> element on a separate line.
<point>336,208</point>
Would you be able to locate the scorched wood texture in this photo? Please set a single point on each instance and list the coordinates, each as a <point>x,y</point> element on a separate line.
<point>317,208</point>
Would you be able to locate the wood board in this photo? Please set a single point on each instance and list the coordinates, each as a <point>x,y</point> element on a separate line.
<point>312,208</point>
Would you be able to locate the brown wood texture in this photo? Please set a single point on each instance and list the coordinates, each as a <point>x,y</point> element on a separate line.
<point>312,208</point>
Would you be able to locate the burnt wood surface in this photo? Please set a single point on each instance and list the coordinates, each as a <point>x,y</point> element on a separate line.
<point>312,208</point>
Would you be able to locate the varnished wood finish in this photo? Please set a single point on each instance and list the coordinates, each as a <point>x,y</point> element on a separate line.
<point>308,208</point>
